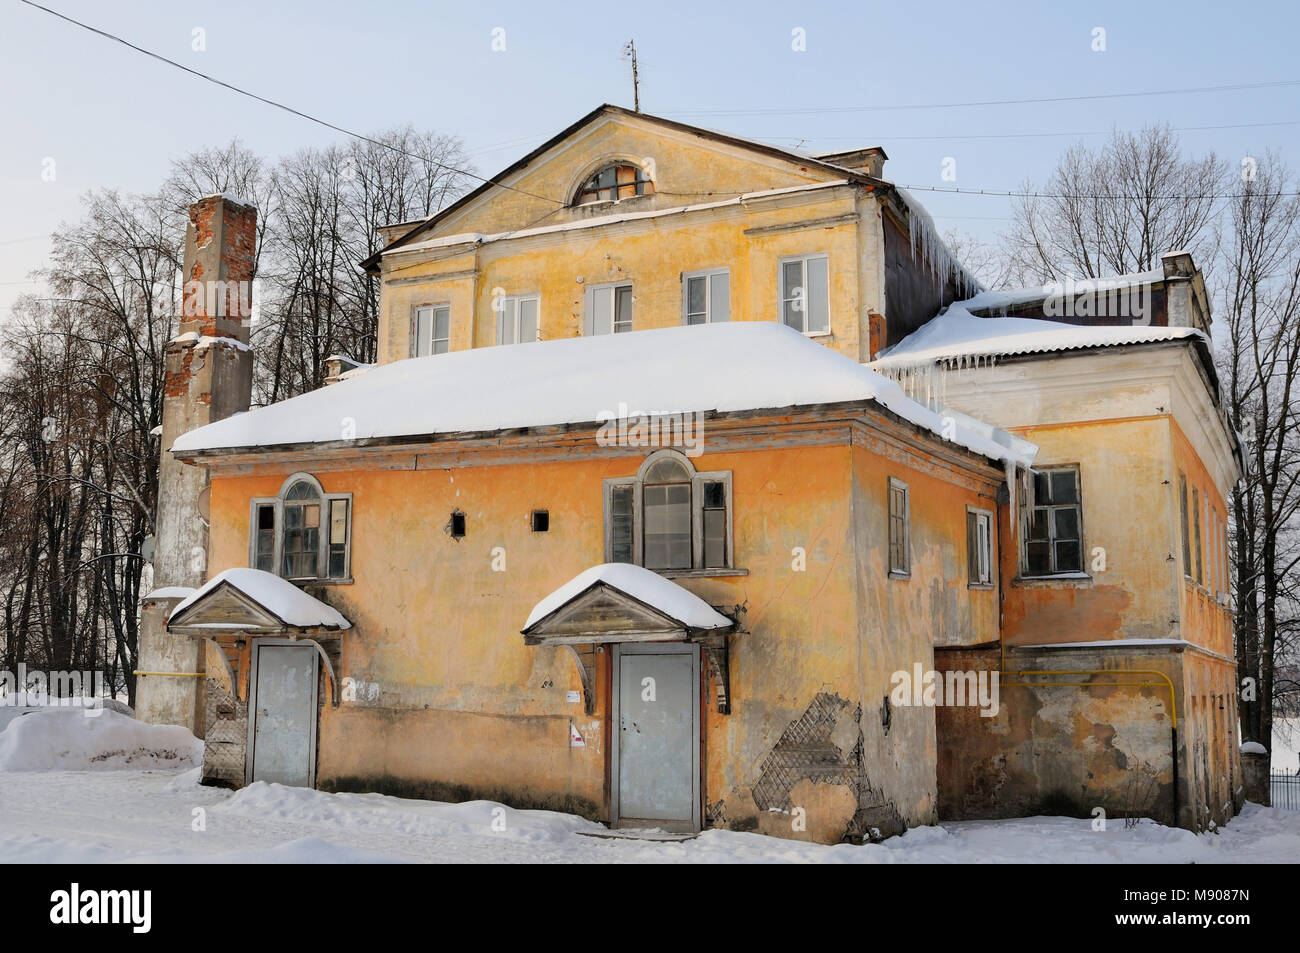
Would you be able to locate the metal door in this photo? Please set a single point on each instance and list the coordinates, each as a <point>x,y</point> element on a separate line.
<point>656,749</point>
<point>282,736</point>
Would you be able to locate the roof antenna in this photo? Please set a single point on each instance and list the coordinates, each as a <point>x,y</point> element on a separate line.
<point>629,52</point>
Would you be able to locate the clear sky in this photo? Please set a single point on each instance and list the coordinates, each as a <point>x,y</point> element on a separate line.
<point>110,117</point>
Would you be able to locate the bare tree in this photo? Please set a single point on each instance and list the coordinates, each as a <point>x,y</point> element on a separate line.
<point>82,387</point>
<point>1117,209</point>
<point>1260,306</point>
<point>989,263</point>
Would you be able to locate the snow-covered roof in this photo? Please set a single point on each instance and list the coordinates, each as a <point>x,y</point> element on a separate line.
<point>641,584</point>
<point>1004,298</point>
<point>277,596</point>
<point>169,592</point>
<point>957,335</point>
<point>724,367</point>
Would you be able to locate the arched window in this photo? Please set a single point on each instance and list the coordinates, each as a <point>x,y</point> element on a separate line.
<point>669,517</point>
<point>301,532</point>
<point>304,533</point>
<point>614,182</point>
<point>666,504</point>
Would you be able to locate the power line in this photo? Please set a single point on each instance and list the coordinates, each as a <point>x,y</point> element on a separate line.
<point>740,112</point>
<point>999,193</point>
<point>1035,135</point>
<point>279,105</point>
<point>803,110</point>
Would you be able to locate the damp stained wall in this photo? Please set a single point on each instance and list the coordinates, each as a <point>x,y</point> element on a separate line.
<point>1132,420</point>
<point>450,703</point>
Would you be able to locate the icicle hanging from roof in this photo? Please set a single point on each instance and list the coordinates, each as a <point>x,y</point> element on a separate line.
<point>933,252</point>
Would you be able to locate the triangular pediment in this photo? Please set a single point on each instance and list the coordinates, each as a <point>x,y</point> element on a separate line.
<point>604,614</point>
<point>687,164</point>
<point>229,608</point>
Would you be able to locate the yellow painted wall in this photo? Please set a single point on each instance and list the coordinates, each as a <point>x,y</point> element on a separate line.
<point>462,708</point>
<point>653,253</point>
<point>1124,474</point>
<point>1204,620</point>
<point>685,168</point>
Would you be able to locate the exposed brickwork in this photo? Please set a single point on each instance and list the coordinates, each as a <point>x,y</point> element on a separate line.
<point>217,275</point>
<point>177,383</point>
<point>206,380</point>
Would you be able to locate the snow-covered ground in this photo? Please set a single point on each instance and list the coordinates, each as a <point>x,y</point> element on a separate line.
<point>127,809</point>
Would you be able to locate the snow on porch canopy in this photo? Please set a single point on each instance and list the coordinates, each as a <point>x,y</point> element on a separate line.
<point>619,602</point>
<point>679,609</point>
<point>254,601</point>
<point>726,367</point>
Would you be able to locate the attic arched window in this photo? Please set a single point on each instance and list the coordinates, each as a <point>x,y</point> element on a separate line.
<point>304,533</point>
<point>669,517</point>
<point>613,182</point>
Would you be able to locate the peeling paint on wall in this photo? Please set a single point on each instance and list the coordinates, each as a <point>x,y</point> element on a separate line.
<point>806,756</point>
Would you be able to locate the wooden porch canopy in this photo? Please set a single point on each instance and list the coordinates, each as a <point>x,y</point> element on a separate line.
<point>619,602</point>
<point>240,604</point>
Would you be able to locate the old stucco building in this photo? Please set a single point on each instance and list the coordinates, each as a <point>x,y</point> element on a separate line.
<point>679,577</point>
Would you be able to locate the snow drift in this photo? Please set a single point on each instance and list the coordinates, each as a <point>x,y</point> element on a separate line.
<point>71,740</point>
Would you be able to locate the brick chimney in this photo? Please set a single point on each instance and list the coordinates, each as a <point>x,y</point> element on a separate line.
<point>1187,303</point>
<point>209,377</point>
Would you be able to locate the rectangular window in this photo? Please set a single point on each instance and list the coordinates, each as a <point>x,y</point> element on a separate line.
<point>714,524</point>
<point>517,320</point>
<point>609,310</point>
<point>1196,534</point>
<point>621,516</point>
<point>338,539</point>
<point>264,537</point>
<point>1208,540</point>
<point>979,547</point>
<point>1227,559</point>
<point>706,297</point>
<point>899,528</point>
<point>432,330</point>
<point>805,294</point>
<point>1212,550</point>
<point>1053,525</point>
<point>1186,532</point>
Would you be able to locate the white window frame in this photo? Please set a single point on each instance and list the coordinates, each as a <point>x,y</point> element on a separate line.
<point>708,274</point>
<point>510,305</point>
<point>984,521</point>
<point>322,557</point>
<point>589,317</point>
<point>698,479</point>
<point>906,571</point>
<point>783,297</point>
<point>433,327</point>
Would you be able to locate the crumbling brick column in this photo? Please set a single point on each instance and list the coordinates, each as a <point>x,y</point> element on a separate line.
<point>209,377</point>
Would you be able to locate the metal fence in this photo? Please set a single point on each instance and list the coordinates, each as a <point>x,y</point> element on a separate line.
<point>1284,790</point>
